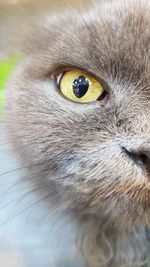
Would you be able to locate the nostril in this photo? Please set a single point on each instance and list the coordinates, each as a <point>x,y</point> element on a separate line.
<point>141,159</point>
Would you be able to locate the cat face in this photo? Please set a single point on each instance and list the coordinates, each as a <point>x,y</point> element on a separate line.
<point>98,151</point>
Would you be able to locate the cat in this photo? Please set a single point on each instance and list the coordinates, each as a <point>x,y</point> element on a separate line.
<point>92,158</point>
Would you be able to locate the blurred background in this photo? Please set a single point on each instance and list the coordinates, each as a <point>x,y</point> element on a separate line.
<point>28,236</point>
<point>14,13</point>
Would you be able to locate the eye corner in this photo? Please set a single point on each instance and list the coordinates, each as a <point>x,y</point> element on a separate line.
<point>58,78</point>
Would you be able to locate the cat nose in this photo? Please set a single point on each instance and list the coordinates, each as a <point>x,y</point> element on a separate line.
<point>139,156</point>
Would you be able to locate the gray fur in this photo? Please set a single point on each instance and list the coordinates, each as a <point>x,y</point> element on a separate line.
<point>75,150</point>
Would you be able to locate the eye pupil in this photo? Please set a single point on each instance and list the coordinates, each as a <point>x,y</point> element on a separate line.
<point>80,86</point>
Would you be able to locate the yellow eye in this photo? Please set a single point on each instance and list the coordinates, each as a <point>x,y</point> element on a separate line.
<point>80,87</point>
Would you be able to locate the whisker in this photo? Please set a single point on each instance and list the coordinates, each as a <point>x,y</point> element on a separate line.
<point>15,170</point>
<point>25,209</point>
<point>85,22</point>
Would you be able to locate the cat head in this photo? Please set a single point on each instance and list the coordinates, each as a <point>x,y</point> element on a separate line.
<point>99,151</point>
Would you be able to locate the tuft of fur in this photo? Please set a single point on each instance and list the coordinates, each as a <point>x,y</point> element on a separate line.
<point>75,150</point>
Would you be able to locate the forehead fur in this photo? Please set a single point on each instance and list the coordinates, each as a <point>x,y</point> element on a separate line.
<point>112,40</point>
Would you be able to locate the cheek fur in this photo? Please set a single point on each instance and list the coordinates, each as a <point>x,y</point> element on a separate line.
<point>76,149</point>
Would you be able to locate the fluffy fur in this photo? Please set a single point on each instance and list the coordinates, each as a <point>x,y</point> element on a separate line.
<point>76,150</point>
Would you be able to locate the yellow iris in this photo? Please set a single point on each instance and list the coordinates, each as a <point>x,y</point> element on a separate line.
<point>80,87</point>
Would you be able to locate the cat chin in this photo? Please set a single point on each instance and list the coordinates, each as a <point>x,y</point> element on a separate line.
<point>123,213</point>
<point>100,247</point>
